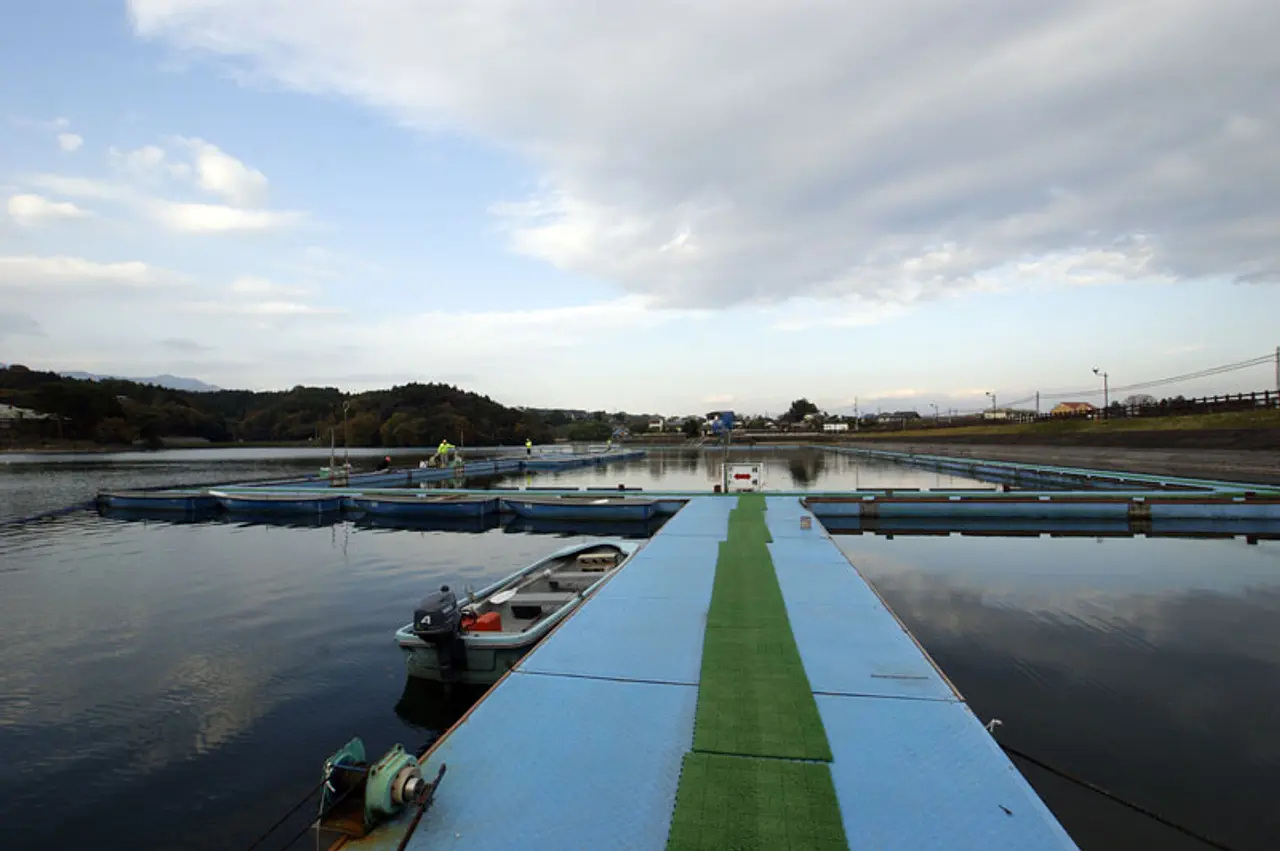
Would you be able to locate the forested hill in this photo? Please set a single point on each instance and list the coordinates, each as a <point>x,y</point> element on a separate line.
<point>115,411</point>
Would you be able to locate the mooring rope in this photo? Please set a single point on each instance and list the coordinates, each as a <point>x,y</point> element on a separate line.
<point>1111,796</point>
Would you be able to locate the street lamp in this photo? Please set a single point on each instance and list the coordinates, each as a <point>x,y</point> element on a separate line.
<point>993,400</point>
<point>1106,392</point>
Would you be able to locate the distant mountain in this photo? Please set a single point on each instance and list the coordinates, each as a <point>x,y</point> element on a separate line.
<point>171,382</point>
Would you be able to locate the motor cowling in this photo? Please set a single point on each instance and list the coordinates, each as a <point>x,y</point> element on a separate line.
<point>437,617</point>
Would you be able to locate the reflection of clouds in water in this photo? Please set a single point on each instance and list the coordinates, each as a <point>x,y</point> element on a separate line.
<point>154,643</point>
<point>1172,660</point>
<point>1030,569</point>
<point>227,697</point>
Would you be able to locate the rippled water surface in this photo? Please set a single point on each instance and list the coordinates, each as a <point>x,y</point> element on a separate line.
<point>177,685</point>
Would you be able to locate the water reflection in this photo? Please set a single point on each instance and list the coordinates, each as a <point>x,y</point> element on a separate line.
<point>433,707</point>
<point>1151,667</point>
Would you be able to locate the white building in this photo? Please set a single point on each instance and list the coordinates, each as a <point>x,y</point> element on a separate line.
<point>9,412</point>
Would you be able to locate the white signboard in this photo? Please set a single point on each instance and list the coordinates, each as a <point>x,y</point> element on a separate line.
<point>746,477</point>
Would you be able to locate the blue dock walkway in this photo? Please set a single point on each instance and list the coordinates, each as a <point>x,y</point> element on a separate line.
<point>580,746</point>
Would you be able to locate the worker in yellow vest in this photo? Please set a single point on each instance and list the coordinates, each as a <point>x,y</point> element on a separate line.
<point>528,446</point>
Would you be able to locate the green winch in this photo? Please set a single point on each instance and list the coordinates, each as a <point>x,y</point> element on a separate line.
<point>357,795</point>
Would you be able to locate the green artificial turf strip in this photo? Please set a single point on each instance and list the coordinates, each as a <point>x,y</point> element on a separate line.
<point>728,803</point>
<point>754,698</point>
<point>739,789</point>
<point>753,695</point>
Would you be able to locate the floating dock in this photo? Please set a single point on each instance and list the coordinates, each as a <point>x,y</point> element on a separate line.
<point>485,467</point>
<point>622,730</point>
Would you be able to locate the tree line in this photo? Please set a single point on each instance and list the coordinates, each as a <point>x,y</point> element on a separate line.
<point>115,412</point>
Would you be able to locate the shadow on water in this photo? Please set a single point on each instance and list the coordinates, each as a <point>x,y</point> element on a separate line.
<point>587,528</point>
<point>432,708</point>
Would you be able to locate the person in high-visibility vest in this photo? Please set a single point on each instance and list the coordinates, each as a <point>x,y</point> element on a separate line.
<point>528,446</point>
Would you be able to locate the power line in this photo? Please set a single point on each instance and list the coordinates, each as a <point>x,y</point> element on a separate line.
<point>1209,372</point>
<point>1173,379</point>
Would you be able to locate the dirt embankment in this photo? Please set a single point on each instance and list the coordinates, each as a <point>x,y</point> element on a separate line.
<point>1194,459</point>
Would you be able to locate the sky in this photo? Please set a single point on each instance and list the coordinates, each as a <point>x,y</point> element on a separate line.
<point>645,206</point>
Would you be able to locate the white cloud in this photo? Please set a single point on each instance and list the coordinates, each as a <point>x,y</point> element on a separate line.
<point>210,169</point>
<point>222,174</point>
<point>80,187</point>
<point>218,218</point>
<point>825,150</point>
<point>37,273</point>
<point>70,142</point>
<point>148,163</point>
<point>257,286</point>
<point>266,308</point>
<point>902,393</point>
<point>27,209</point>
<point>186,217</point>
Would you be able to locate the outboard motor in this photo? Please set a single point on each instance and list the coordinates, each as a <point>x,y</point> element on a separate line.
<point>438,621</point>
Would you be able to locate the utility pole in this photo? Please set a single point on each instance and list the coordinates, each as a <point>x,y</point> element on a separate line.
<point>1278,370</point>
<point>346,437</point>
<point>1106,394</point>
<point>992,394</point>
<point>856,418</point>
<point>1037,403</point>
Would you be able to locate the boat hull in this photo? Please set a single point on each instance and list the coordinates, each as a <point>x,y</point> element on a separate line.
<point>638,511</point>
<point>158,501</point>
<point>425,507</point>
<point>484,665</point>
<point>300,505</point>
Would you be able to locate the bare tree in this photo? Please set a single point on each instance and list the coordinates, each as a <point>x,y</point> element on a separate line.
<point>1139,400</point>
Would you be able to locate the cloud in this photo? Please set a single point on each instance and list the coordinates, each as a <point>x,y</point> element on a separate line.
<point>59,123</point>
<point>222,174</point>
<point>184,217</point>
<point>218,218</point>
<point>30,272</point>
<point>30,210</point>
<point>267,309</point>
<point>902,393</point>
<point>148,162</point>
<point>80,187</point>
<point>256,286</point>
<point>826,150</point>
<point>211,169</point>
<point>184,345</point>
<point>16,324</point>
<point>69,142</point>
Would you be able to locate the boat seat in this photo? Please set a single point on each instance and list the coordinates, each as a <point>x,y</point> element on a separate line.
<point>535,598</point>
<point>576,576</point>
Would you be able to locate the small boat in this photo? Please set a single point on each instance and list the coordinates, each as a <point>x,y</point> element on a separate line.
<point>477,638</point>
<point>279,503</point>
<point>581,507</point>
<point>159,500</point>
<point>426,504</point>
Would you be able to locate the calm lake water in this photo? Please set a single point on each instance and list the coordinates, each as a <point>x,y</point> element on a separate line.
<point>177,685</point>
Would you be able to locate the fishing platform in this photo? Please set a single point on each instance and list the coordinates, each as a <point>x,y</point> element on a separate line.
<point>737,682</point>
